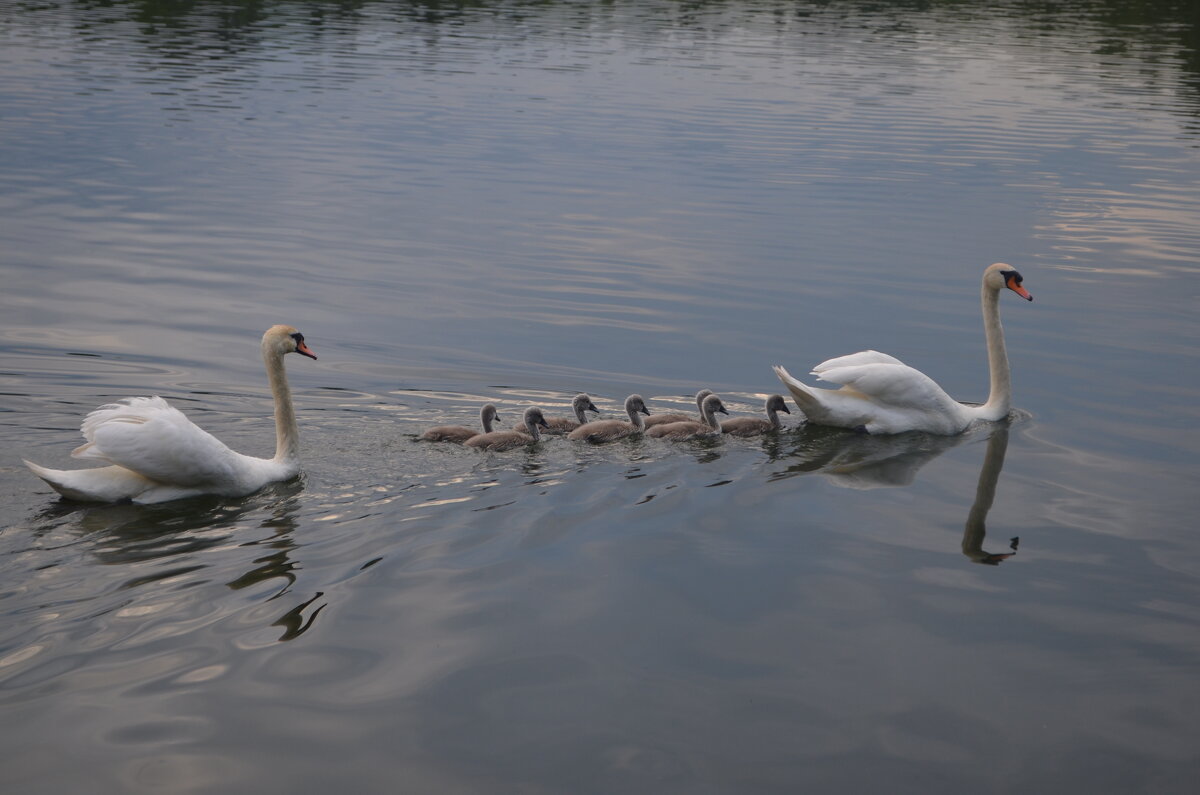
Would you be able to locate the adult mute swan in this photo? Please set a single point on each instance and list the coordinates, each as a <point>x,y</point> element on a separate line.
<point>881,394</point>
<point>157,454</point>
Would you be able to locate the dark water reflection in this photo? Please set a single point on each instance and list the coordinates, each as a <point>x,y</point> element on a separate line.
<point>862,461</point>
<point>985,495</point>
<point>511,202</point>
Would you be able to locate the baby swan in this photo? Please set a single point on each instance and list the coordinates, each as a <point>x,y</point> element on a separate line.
<point>460,433</point>
<point>693,429</point>
<point>663,419</point>
<point>497,441</point>
<point>611,430</point>
<point>562,425</point>
<point>753,426</point>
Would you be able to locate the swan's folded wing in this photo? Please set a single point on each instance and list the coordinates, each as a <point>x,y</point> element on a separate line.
<point>155,440</point>
<point>854,359</point>
<point>894,385</point>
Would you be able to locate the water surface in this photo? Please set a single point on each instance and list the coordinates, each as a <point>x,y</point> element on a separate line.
<point>512,202</point>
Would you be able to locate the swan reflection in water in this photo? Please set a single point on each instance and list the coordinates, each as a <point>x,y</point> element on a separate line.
<point>985,494</point>
<point>860,461</point>
<point>163,542</point>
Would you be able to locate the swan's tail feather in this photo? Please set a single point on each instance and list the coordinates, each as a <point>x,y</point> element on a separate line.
<point>58,479</point>
<point>103,484</point>
<point>805,400</point>
<point>89,450</point>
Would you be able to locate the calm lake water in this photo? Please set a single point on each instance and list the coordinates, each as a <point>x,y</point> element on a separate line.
<point>513,202</point>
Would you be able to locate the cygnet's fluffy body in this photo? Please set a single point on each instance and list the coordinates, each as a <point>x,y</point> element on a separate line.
<point>670,417</point>
<point>496,441</point>
<point>562,425</point>
<point>755,426</point>
<point>598,431</point>
<point>680,431</point>
<point>460,433</point>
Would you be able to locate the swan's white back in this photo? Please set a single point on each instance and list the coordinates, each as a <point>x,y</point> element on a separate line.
<point>156,440</point>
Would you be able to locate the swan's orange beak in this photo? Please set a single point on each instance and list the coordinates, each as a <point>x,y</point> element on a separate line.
<point>303,350</point>
<point>1011,284</point>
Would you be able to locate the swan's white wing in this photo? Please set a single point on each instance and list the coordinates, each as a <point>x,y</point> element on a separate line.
<point>894,385</point>
<point>852,359</point>
<point>155,440</point>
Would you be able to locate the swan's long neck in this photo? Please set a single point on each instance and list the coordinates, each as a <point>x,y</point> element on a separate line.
<point>709,413</point>
<point>579,413</point>
<point>635,417</point>
<point>773,416</point>
<point>1000,396</point>
<point>287,436</point>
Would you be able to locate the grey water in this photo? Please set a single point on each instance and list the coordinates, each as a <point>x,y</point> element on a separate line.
<point>512,202</point>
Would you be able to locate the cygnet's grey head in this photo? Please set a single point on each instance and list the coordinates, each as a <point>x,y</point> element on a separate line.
<point>534,416</point>
<point>775,403</point>
<point>582,403</point>
<point>634,404</point>
<point>700,396</point>
<point>488,413</point>
<point>713,405</point>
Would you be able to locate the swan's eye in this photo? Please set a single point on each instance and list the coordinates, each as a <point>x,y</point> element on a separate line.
<point>1012,277</point>
<point>299,338</point>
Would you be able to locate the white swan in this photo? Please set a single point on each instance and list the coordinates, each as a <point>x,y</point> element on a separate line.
<point>881,394</point>
<point>158,454</point>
